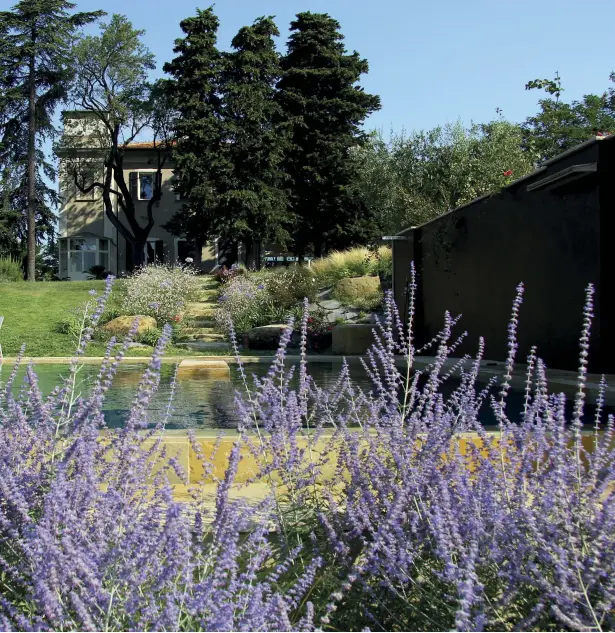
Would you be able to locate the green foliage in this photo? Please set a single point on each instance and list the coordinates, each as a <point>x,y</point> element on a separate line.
<point>10,270</point>
<point>254,202</point>
<point>201,153</point>
<point>318,92</point>
<point>149,337</point>
<point>98,272</point>
<point>559,126</point>
<point>411,179</point>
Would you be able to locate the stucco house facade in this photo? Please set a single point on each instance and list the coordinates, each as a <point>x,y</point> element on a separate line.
<point>87,236</point>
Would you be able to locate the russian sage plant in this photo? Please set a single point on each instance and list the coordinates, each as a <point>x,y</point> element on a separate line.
<point>91,537</point>
<point>391,508</point>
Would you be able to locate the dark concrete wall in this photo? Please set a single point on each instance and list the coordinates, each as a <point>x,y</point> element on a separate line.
<point>470,261</point>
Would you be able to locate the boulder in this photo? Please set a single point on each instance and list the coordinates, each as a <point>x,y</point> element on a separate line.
<point>350,289</point>
<point>265,336</point>
<point>121,325</point>
<point>353,339</point>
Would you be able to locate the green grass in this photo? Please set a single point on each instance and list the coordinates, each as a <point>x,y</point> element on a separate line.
<point>33,311</point>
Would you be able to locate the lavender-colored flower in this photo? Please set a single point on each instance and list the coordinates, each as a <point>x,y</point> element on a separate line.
<point>390,507</point>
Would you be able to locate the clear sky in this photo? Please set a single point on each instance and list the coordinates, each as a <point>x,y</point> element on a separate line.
<point>431,61</point>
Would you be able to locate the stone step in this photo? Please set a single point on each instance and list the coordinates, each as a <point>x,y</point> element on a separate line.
<point>187,331</point>
<point>202,321</point>
<point>201,336</point>
<point>199,309</point>
<point>204,346</point>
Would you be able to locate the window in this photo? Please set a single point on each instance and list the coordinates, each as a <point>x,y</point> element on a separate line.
<point>78,255</point>
<point>142,184</point>
<point>146,186</point>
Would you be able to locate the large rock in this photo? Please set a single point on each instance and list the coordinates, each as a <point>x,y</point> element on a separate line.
<point>352,340</point>
<point>121,325</point>
<point>350,289</point>
<point>266,336</point>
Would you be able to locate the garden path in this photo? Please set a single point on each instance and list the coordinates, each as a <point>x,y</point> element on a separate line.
<point>200,333</point>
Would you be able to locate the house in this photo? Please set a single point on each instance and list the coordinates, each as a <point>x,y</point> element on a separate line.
<point>87,236</point>
<point>552,230</point>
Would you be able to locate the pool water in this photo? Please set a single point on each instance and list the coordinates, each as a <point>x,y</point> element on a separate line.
<point>208,403</point>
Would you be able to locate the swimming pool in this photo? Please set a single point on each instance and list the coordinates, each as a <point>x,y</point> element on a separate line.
<point>208,402</point>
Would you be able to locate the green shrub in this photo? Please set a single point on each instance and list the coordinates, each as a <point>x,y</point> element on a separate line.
<point>149,337</point>
<point>161,291</point>
<point>10,269</point>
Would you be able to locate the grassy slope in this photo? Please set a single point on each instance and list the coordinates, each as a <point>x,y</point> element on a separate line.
<point>32,313</point>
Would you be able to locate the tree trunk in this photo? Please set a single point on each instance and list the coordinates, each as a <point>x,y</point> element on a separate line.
<point>31,274</point>
<point>138,253</point>
<point>248,244</point>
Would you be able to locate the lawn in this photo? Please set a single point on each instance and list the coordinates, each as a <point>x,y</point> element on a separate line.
<point>33,311</point>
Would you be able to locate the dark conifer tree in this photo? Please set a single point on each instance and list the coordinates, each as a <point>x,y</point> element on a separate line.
<point>201,151</point>
<point>255,201</point>
<point>319,93</point>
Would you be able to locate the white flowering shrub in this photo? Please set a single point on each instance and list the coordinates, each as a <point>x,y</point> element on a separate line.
<point>161,291</point>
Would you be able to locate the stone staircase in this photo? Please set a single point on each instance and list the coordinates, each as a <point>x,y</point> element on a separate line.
<point>202,335</point>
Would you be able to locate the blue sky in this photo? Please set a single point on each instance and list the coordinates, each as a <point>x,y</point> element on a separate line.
<point>431,61</point>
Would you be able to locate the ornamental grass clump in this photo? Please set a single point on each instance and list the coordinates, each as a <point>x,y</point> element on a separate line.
<point>10,270</point>
<point>161,291</point>
<point>381,514</point>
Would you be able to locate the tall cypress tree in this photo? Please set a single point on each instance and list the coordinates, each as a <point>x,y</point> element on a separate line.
<point>319,93</point>
<point>255,201</point>
<point>36,38</point>
<point>201,151</point>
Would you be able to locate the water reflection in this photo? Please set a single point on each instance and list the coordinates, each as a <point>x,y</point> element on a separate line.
<point>208,403</point>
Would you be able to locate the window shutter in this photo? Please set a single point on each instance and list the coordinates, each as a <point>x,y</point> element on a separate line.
<point>133,177</point>
<point>158,180</point>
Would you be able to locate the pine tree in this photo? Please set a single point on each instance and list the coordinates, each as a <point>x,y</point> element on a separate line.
<point>254,202</point>
<point>36,39</point>
<point>201,151</point>
<point>320,95</point>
